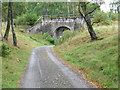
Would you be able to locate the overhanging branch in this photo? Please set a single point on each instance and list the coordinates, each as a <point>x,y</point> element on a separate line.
<point>92,10</point>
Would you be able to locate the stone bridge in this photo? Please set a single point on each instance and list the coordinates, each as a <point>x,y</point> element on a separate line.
<point>56,26</point>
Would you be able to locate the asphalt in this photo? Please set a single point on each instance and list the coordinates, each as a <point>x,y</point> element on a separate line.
<point>46,71</point>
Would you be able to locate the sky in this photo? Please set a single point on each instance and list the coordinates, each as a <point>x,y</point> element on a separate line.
<point>105,7</point>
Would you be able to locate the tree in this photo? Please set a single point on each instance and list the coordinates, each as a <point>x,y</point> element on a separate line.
<point>99,17</point>
<point>8,24</point>
<point>86,12</point>
<point>13,31</point>
<point>113,6</point>
<point>1,20</point>
<point>10,18</point>
<point>4,11</point>
<point>18,9</point>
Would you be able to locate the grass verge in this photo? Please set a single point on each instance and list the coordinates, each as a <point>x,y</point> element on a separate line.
<point>13,65</point>
<point>96,59</point>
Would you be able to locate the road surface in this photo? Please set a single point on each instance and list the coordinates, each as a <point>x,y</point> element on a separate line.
<point>46,71</point>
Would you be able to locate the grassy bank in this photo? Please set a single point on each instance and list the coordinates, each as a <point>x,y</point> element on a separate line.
<point>96,59</point>
<point>13,65</point>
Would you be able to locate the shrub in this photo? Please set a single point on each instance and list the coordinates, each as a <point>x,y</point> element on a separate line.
<point>31,18</point>
<point>100,16</point>
<point>48,37</point>
<point>113,16</point>
<point>4,50</point>
<point>106,22</point>
<point>20,20</point>
<point>26,19</point>
<point>66,35</point>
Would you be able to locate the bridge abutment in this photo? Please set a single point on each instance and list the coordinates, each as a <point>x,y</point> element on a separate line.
<point>55,27</point>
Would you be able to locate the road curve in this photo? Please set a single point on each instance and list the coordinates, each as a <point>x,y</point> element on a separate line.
<point>46,71</point>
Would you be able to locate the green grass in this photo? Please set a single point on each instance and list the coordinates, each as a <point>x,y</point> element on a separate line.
<point>15,63</point>
<point>97,59</point>
<point>0,72</point>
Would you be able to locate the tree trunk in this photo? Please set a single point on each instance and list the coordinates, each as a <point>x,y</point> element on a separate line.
<point>90,29</point>
<point>1,21</point>
<point>13,31</point>
<point>87,20</point>
<point>8,24</point>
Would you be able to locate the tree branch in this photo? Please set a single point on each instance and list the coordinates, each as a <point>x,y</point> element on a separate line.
<point>95,22</point>
<point>87,3</point>
<point>82,13</point>
<point>92,10</point>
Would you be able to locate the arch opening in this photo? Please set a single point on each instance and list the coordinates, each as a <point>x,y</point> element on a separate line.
<point>59,31</point>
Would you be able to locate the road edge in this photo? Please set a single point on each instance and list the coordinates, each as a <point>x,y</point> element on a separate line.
<point>73,68</point>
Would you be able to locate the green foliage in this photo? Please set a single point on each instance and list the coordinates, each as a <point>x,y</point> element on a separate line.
<point>39,8</point>
<point>100,16</point>
<point>67,34</point>
<point>113,16</point>
<point>52,8</point>
<point>33,38</point>
<point>97,59</point>
<point>48,37</point>
<point>4,50</point>
<point>26,19</point>
<point>18,9</point>
<point>14,64</point>
<point>20,20</point>
<point>31,18</point>
<point>4,11</point>
<point>88,9</point>
<point>91,7</point>
<point>106,22</point>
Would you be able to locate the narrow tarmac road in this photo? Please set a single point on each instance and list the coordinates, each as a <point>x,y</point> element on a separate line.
<point>46,71</point>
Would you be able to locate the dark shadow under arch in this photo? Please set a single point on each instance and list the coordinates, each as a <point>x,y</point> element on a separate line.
<point>60,30</point>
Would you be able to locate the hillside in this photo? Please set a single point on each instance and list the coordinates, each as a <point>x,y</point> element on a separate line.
<point>97,60</point>
<point>13,65</point>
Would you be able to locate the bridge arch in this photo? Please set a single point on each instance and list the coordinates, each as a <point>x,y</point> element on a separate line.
<point>60,30</point>
<point>56,26</point>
